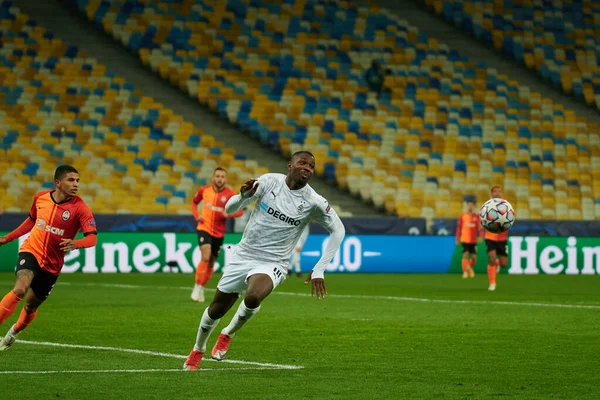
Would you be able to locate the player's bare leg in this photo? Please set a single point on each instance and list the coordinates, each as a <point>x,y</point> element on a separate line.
<point>492,270</point>
<point>472,262</point>
<point>28,313</point>
<point>210,270</point>
<point>221,303</point>
<point>503,261</point>
<point>201,270</point>
<point>9,303</point>
<point>259,287</point>
<point>465,264</point>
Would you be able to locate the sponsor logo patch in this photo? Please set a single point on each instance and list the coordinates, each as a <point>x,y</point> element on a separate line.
<point>280,216</point>
<point>66,215</point>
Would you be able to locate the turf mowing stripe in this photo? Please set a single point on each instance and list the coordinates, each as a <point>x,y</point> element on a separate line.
<point>365,297</point>
<point>128,371</point>
<point>358,297</point>
<point>159,354</point>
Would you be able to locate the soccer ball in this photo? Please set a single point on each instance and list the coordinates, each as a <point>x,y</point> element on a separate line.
<point>497,215</point>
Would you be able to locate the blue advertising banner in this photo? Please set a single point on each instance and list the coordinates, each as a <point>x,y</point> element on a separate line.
<point>383,254</point>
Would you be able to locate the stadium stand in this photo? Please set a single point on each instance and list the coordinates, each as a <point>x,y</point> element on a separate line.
<point>558,39</point>
<point>57,105</point>
<point>292,73</point>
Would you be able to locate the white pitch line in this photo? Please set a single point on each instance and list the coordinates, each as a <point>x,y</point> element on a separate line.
<point>358,297</point>
<point>127,371</point>
<point>159,354</point>
<point>367,297</point>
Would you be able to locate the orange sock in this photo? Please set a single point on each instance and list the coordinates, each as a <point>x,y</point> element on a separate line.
<point>492,274</point>
<point>497,262</point>
<point>207,275</point>
<point>8,305</point>
<point>24,320</point>
<point>200,272</point>
<point>465,265</point>
<point>472,262</point>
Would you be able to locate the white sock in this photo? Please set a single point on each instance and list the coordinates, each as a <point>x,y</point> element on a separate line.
<point>295,263</point>
<point>207,325</point>
<point>12,332</point>
<point>242,315</point>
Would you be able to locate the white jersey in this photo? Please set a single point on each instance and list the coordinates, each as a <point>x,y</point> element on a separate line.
<point>303,237</point>
<point>280,216</point>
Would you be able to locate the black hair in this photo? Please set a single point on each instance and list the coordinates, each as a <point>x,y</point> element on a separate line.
<point>63,170</point>
<point>219,169</point>
<point>296,154</point>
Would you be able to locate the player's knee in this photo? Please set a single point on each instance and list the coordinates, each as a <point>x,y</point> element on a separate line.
<point>30,308</point>
<point>20,292</point>
<point>206,258</point>
<point>252,300</point>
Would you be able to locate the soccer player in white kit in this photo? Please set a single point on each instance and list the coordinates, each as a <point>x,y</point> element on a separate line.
<point>295,260</point>
<point>286,204</point>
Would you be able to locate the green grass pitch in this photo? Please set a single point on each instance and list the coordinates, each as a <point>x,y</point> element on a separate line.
<point>372,338</point>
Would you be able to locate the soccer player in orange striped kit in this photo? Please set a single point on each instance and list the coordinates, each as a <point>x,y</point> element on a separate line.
<point>497,247</point>
<point>211,227</point>
<point>55,218</point>
<point>469,232</point>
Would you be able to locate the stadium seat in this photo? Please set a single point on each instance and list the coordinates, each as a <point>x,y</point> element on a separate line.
<point>299,82</point>
<point>78,113</point>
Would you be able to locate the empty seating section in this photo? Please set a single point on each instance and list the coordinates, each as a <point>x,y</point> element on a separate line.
<point>559,39</point>
<point>57,105</point>
<point>291,73</point>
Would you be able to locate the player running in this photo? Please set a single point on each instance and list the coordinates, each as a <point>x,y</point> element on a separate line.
<point>295,260</point>
<point>469,232</point>
<point>496,245</point>
<point>286,204</point>
<point>55,218</point>
<point>211,227</point>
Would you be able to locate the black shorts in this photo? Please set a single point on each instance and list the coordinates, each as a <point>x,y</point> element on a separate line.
<point>43,281</point>
<point>470,248</point>
<point>215,243</point>
<point>501,248</point>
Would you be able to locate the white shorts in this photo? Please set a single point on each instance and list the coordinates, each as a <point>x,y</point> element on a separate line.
<point>236,274</point>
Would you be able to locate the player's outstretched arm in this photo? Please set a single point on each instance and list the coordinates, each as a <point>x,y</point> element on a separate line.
<point>24,228</point>
<point>334,225</point>
<point>239,201</point>
<point>89,240</point>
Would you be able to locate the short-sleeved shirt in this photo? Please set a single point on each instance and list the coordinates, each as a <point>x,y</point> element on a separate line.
<point>213,205</point>
<point>280,216</point>
<point>53,223</point>
<point>468,226</point>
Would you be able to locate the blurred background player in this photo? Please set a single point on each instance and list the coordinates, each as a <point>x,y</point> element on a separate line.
<point>55,218</point>
<point>469,232</point>
<point>211,227</point>
<point>295,260</point>
<point>497,247</point>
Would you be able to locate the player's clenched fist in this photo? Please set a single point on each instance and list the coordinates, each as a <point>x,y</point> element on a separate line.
<point>249,188</point>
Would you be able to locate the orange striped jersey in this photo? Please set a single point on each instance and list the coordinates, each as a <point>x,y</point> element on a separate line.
<point>497,237</point>
<point>53,223</point>
<point>468,227</point>
<point>213,206</point>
